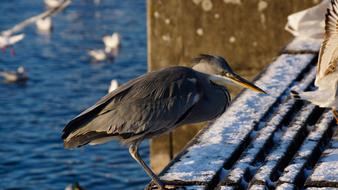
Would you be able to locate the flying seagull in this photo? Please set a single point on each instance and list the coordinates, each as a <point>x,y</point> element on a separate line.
<point>8,41</point>
<point>44,24</point>
<point>327,72</point>
<point>156,103</point>
<point>52,4</point>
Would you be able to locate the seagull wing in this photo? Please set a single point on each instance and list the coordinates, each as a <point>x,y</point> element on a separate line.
<point>14,39</point>
<point>328,54</point>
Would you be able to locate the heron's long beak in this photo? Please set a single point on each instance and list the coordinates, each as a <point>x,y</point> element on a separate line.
<point>243,82</point>
<point>233,78</point>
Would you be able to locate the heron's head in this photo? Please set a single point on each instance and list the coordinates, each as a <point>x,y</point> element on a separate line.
<point>220,72</point>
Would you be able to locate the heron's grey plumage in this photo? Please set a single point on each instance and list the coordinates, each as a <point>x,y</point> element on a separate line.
<point>149,105</point>
<point>156,103</point>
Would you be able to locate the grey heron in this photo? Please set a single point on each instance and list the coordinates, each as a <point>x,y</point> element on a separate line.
<point>156,103</point>
<point>327,73</point>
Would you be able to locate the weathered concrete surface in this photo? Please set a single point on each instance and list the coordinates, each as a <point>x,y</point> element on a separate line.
<point>249,34</point>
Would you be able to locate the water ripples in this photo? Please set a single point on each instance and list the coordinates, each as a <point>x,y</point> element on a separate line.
<point>63,82</point>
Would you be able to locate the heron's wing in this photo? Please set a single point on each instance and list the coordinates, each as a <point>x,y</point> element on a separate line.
<point>92,111</point>
<point>328,54</point>
<point>156,100</point>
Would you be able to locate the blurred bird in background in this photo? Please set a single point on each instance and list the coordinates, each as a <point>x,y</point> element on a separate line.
<point>20,75</point>
<point>52,4</point>
<point>111,43</point>
<point>44,24</point>
<point>113,85</point>
<point>8,41</point>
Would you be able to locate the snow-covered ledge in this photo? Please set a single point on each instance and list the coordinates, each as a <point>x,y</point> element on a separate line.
<point>260,131</point>
<point>217,144</point>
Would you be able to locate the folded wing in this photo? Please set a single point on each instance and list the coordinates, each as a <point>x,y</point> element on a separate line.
<point>143,106</point>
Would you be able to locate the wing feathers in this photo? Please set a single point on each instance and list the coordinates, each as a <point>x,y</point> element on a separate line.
<point>328,55</point>
<point>151,103</point>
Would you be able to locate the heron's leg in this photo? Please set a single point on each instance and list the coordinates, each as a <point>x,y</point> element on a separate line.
<point>133,150</point>
<point>335,114</point>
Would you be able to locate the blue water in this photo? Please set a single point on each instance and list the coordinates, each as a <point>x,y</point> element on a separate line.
<point>63,82</point>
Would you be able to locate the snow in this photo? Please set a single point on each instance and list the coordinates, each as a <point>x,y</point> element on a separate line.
<point>284,144</point>
<point>299,45</point>
<point>327,168</point>
<point>257,187</point>
<point>226,188</point>
<point>301,86</point>
<point>215,145</point>
<point>194,187</point>
<point>322,127</point>
<point>257,144</point>
<point>266,133</point>
<point>286,186</point>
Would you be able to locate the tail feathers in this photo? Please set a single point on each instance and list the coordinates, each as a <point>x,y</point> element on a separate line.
<point>83,139</point>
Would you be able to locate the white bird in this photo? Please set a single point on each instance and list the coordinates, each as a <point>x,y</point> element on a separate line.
<point>52,4</point>
<point>113,85</point>
<point>308,23</point>
<point>99,55</point>
<point>327,72</point>
<point>74,186</point>
<point>8,41</point>
<point>44,24</point>
<point>20,75</point>
<point>112,43</point>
